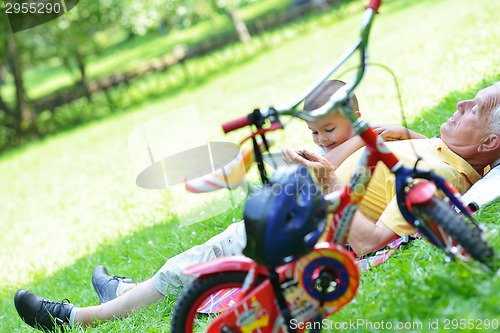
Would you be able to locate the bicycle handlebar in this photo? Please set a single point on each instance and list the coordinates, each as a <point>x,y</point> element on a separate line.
<point>235,124</point>
<point>342,95</point>
<point>374,4</point>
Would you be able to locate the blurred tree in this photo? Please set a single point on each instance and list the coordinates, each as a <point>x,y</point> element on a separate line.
<point>24,117</point>
<point>3,105</point>
<point>179,14</point>
<point>72,38</point>
<point>230,8</point>
<point>18,119</point>
<point>4,30</point>
<point>76,37</point>
<point>139,17</point>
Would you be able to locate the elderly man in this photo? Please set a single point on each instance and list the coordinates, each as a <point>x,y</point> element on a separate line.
<point>469,143</point>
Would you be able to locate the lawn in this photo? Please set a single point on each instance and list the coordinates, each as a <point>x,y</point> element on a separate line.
<point>70,202</point>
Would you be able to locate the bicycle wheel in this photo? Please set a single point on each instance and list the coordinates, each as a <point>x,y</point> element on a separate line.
<point>212,295</point>
<point>454,231</point>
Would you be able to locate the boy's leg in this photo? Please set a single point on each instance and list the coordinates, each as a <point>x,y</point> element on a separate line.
<point>230,242</point>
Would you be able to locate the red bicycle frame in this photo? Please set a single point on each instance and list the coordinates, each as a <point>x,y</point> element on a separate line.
<point>257,311</point>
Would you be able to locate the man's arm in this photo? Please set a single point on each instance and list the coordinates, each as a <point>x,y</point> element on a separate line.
<point>366,236</point>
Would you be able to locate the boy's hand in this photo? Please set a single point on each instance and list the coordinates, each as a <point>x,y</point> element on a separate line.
<point>301,154</point>
<point>293,156</point>
<point>390,132</point>
<point>324,170</point>
<point>395,132</point>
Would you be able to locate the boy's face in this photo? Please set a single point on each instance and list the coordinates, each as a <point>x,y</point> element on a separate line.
<point>330,131</point>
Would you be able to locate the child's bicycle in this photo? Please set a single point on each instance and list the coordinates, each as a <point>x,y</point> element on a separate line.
<point>293,282</point>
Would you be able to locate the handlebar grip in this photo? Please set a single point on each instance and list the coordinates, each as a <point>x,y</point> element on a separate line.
<point>235,124</point>
<point>374,4</point>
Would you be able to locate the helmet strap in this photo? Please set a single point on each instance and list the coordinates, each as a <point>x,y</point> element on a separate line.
<point>259,159</point>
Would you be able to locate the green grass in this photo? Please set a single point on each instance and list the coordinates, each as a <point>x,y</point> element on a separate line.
<point>70,202</point>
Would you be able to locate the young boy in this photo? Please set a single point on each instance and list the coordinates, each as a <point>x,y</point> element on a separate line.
<point>330,132</point>
<point>334,134</point>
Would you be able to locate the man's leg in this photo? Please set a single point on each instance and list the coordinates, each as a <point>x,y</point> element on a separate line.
<point>47,315</point>
<point>109,287</point>
<point>41,313</point>
<point>230,242</point>
<point>142,295</point>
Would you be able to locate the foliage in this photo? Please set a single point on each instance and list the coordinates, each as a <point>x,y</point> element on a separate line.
<point>78,41</point>
<point>84,65</point>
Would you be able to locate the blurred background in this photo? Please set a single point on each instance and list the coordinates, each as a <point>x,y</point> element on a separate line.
<point>80,66</point>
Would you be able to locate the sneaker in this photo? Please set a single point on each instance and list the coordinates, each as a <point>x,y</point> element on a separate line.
<point>41,313</point>
<point>106,285</point>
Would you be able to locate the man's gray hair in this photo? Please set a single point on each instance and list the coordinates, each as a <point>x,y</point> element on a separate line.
<point>495,115</point>
<point>495,120</point>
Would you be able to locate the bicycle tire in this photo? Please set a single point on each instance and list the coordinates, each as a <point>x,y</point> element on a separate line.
<point>463,233</point>
<point>185,313</point>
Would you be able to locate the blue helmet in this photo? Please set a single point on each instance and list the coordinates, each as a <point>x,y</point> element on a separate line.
<point>284,219</point>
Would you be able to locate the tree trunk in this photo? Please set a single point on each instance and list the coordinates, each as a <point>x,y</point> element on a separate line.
<point>3,105</point>
<point>240,26</point>
<point>80,60</point>
<point>24,114</point>
<point>65,60</point>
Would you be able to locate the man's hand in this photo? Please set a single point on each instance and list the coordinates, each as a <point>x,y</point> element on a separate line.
<point>365,236</point>
<point>324,170</point>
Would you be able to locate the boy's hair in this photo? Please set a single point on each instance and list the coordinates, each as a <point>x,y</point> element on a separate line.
<point>323,92</point>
